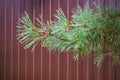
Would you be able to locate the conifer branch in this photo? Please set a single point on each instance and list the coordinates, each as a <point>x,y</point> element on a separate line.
<point>89,30</point>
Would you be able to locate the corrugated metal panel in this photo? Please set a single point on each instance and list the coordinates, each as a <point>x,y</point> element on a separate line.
<point>19,64</point>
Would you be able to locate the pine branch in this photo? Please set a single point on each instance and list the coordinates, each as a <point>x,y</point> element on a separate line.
<point>89,30</point>
<point>63,39</point>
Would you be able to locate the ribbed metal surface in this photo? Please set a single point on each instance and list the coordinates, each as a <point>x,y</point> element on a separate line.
<point>19,64</point>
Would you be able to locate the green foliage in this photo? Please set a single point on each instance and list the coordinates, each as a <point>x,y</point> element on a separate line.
<point>89,30</point>
<point>27,32</point>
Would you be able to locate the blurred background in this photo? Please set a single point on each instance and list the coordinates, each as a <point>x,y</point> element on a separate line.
<point>19,64</point>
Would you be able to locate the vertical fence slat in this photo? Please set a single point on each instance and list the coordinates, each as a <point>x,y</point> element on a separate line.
<point>38,47</point>
<point>41,44</point>
<point>67,52</point>
<point>26,56</point>
<point>15,42</point>
<point>78,58</point>
<point>45,51</point>
<point>12,40</point>
<point>8,39</point>
<point>72,63</point>
<point>58,51</point>
<point>87,68</point>
<point>50,51</point>
<point>33,15</point>
<point>117,67</point>
<point>5,43</point>
<point>110,59</point>
<point>18,50</point>
<point>55,54</point>
<point>2,39</point>
<point>63,56</point>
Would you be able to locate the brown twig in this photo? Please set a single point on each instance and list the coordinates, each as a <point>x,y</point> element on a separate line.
<point>107,54</point>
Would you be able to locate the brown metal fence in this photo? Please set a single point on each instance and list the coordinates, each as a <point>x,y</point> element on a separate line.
<point>19,64</point>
